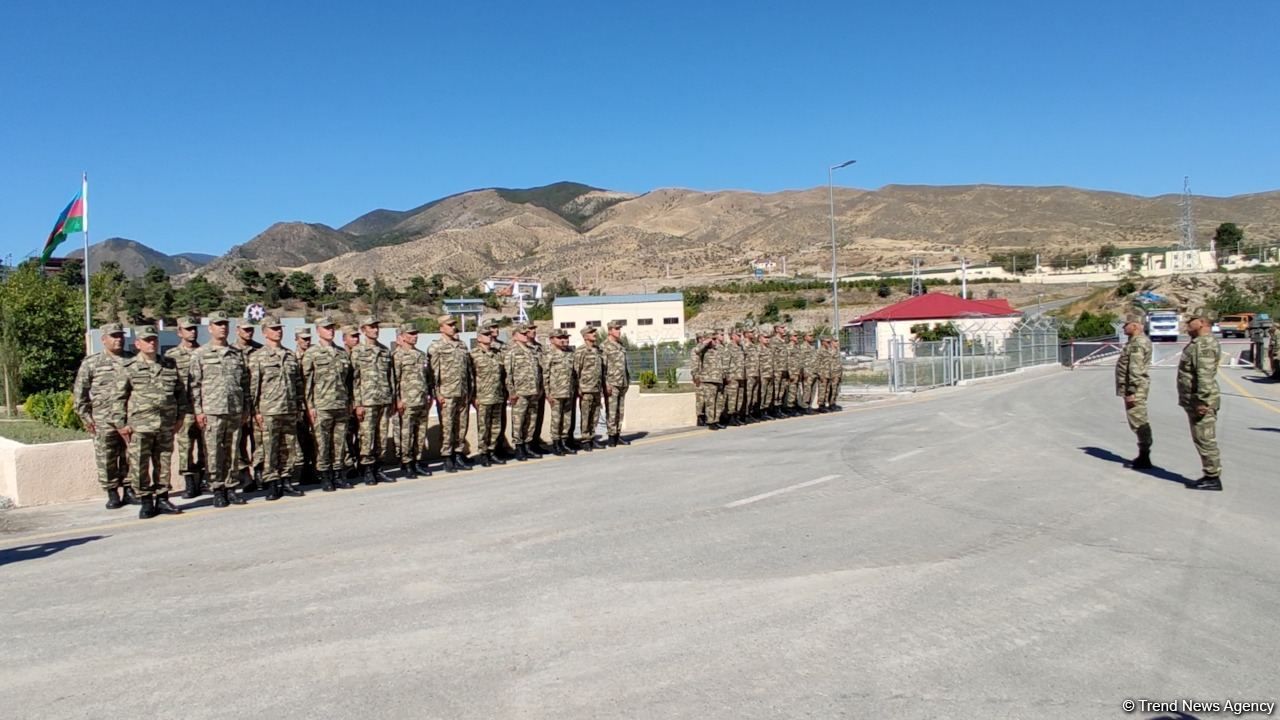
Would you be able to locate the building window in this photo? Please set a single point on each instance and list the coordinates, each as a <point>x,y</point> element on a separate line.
<point>671,321</point>
<point>644,321</point>
<point>593,323</point>
<point>569,325</point>
<point>621,322</point>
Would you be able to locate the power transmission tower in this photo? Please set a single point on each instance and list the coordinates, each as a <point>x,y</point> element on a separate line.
<point>1187,228</point>
<point>917,283</point>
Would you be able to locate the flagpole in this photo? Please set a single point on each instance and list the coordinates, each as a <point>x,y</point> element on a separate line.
<point>84,198</point>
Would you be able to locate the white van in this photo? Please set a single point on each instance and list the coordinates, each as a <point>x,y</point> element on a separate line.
<point>1162,325</point>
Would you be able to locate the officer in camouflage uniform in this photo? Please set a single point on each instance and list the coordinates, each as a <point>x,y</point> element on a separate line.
<point>249,464</point>
<point>371,394</point>
<point>588,368</point>
<point>735,388</point>
<point>503,446</point>
<point>1133,381</point>
<point>451,376</point>
<point>539,351</point>
<point>617,379</point>
<point>219,396</point>
<point>489,394</point>
<point>764,408</point>
<point>781,370</point>
<point>151,392</point>
<point>795,372</point>
<point>306,437</point>
<point>190,441</point>
<point>714,371</point>
<point>835,371</point>
<point>524,392</point>
<point>326,372</point>
<point>557,368</point>
<point>350,341</point>
<point>695,371</point>
<point>1198,395</point>
<point>97,398</point>
<point>413,393</point>
<point>751,357</point>
<point>275,385</point>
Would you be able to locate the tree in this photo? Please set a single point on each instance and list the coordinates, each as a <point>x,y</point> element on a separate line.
<point>135,301</point>
<point>362,287</point>
<point>106,292</point>
<point>1229,298</point>
<point>329,285</point>
<point>883,291</point>
<point>923,332</point>
<point>1089,325</point>
<point>250,280</point>
<point>273,288</point>
<point>72,273</point>
<point>419,292</point>
<point>41,319</point>
<point>302,285</point>
<point>199,296</point>
<point>158,291</point>
<point>1228,238</point>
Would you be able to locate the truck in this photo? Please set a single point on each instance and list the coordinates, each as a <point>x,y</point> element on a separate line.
<point>1162,325</point>
<point>1236,324</point>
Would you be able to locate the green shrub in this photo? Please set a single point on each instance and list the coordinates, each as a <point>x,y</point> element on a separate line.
<point>56,409</point>
<point>648,380</point>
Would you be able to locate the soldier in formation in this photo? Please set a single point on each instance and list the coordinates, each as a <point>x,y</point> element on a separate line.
<point>524,392</point>
<point>489,394</point>
<point>97,402</point>
<point>1198,395</point>
<point>617,379</point>
<point>371,390</point>
<point>326,372</point>
<point>412,381</point>
<point>588,369</point>
<point>190,447</point>
<point>305,434</point>
<point>561,387</point>
<point>219,382</point>
<point>275,392</point>
<point>152,396</point>
<point>451,376</point>
<point>1133,381</point>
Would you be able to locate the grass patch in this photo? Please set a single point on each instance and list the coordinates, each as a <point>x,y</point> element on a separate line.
<point>866,378</point>
<point>30,432</point>
<point>661,387</point>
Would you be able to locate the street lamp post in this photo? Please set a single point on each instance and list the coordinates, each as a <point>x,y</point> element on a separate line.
<point>835,287</point>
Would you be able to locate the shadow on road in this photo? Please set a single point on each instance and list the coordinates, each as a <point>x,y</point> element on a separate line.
<point>39,550</point>
<point>1263,379</point>
<point>1262,429</point>
<point>1159,473</point>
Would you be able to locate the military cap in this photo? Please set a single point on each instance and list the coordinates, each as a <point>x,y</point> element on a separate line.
<point>530,327</point>
<point>217,316</point>
<point>146,331</point>
<point>369,320</point>
<point>488,326</point>
<point>615,324</point>
<point>749,324</point>
<point>350,330</point>
<point>302,331</point>
<point>186,321</point>
<point>111,329</point>
<point>246,325</point>
<point>559,333</point>
<point>271,321</point>
<point>325,321</point>
<point>588,332</point>
<point>1133,317</point>
<point>446,320</point>
<point>408,329</point>
<point>1202,313</point>
<point>766,332</point>
<point>808,332</point>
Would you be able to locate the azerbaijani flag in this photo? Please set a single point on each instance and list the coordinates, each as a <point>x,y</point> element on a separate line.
<point>70,221</point>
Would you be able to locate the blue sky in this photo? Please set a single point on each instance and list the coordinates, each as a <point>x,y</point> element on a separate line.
<point>200,124</point>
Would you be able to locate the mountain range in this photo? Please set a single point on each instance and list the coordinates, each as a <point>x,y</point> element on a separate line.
<point>134,258</point>
<point>611,239</point>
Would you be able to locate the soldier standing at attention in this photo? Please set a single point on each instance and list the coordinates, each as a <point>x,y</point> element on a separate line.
<point>617,378</point>
<point>96,392</point>
<point>305,445</point>
<point>489,394</point>
<point>764,408</point>
<point>1198,395</point>
<point>695,370</point>
<point>152,395</point>
<point>249,465</point>
<point>451,375</point>
<point>781,371</point>
<point>190,441</point>
<point>326,372</point>
<point>588,368</point>
<point>274,383</point>
<point>751,356</point>
<point>531,330</point>
<point>503,446</point>
<point>736,384</point>
<point>1133,381</point>
<point>524,392</point>
<point>371,396</point>
<point>219,392</point>
<point>809,366</point>
<point>713,376</point>
<point>557,368</point>
<point>795,373</point>
<point>350,341</point>
<point>412,390</point>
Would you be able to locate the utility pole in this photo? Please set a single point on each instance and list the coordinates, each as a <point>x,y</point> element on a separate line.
<point>917,283</point>
<point>964,278</point>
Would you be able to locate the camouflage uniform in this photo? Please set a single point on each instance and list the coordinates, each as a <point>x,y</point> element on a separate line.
<point>588,367</point>
<point>557,368</point>
<point>695,371</point>
<point>97,402</point>
<point>412,382</point>
<point>250,448</point>
<point>451,376</point>
<point>540,408</point>
<point>327,374</point>
<point>809,364</point>
<point>190,441</point>
<point>275,380</point>
<point>525,385</point>
<point>713,373</point>
<point>751,358</point>
<point>617,378</point>
<point>735,389</point>
<point>489,386</point>
<point>1133,378</point>
<point>219,388</point>
<point>781,373</point>
<point>154,392</point>
<point>795,373</point>
<point>352,436</point>
<point>1198,386</point>
<point>371,390</point>
<point>765,402</point>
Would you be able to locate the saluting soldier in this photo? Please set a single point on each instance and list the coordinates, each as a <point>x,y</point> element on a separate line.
<point>617,378</point>
<point>1198,395</point>
<point>97,402</point>
<point>153,394</point>
<point>1133,381</point>
<point>751,357</point>
<point>219,396</point>
<point>764,409</point>
<point>190,441</point>
<point>735,388</point>
<point>588,368</point>
<point>413,395</point>
<point>489,394</point>
<point>326,372</point>
<point>695,371</point>
<point>275,382</point>
<point>524,392</point>
<point>451,376</point>
<point>781,370</point>
<point>714,371</point>
<point>371,395</point>
<point>557,368</point>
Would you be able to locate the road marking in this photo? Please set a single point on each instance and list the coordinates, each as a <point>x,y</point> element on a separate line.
<point>780,491</point>
<point>1246,393</point>
<point>905,455</point>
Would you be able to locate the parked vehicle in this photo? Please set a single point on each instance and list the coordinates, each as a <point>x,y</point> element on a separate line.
<point>1236,325</point>
<point>1162,325</point>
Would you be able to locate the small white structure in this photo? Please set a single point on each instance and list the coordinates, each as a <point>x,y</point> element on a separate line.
<point>871,334</point>
<point>647,319</point>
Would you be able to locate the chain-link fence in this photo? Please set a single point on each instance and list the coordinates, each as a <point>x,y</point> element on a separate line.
<point>979,351</point>
<point>659,359</point>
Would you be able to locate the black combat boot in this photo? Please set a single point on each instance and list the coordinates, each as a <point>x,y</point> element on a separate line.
<point>113,499</point>
<point>234,496</point>
<point>164,507</point>
<point>191,486</point>
<point>460,459</point>
<point>1143,461</point>
<point>421,467</point>
<point>521,455</point>
<point>369,477</point>
<point>253,480</point>
<point>382,477</point>
<point>407,470</point>
<point>287,487</point>
<point>219,497</point>
<point>147,509</point>
<point>494,459</point>
<point>273,489</point>
<point>1208,482</point>
<point>326,481</point>
<point>621,440</point>
<point>597,443</point>
<point>340,480</point>
<point>449,465</point>
<point>587,445</point>
<point>556,449</point>
<point>483,459</point>
<point>128,497</point>
<point>613,441</point>
<point>702,420</point>
<point>532,452</point>
<point>568,447</point>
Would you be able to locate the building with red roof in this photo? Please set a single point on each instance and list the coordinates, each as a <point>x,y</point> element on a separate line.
<point>871,334</point>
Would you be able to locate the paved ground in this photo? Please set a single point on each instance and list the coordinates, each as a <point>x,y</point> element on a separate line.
<point>977,552</point>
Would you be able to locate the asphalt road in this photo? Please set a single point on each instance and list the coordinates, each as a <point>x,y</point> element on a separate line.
<point>976,552</point>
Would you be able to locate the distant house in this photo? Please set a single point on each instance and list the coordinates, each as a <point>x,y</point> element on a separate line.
<point>647,319</point>
<point>872,333</point>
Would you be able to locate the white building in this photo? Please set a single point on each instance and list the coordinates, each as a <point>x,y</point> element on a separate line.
<point>647,319</point>
<point>871,334</point>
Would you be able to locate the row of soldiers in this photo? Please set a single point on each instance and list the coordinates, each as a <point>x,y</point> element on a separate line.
<point>750,374</point>
<point>329,408</point>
